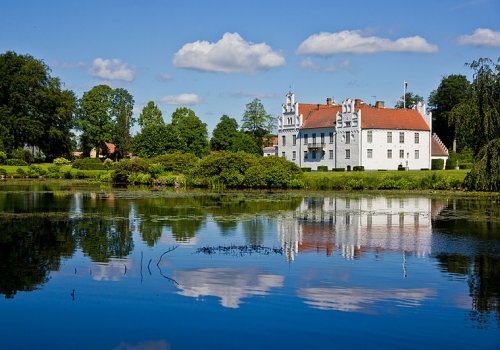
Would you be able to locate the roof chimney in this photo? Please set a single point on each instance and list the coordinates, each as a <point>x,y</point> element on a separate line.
<point>329,101</point>
<point>357,102</point>
<point>379,104</point>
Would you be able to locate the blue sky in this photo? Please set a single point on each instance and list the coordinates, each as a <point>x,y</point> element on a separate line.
<point>216,56</point>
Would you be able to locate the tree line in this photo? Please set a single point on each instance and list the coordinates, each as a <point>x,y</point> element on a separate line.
<point>39,114</point>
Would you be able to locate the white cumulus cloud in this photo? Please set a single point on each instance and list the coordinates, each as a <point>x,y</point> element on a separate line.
<point>481,37</point>
<point>231,54</point>
<point>182,99</point>
<point>308,63</point>
<point>111,69</point>
<point>165,76</point>
<point>327,44</point>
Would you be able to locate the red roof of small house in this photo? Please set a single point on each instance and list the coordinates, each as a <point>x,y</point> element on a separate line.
<point>438,149</point>
<point>111,147</point>
<point>324,116</point>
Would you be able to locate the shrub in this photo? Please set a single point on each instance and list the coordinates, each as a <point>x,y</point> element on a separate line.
<point>106,177</point>
<point>437,164</point>
<point>80,175</point>
<point>61,161</point>
<point>23,154</point>
<point>358,168</point>
<point>465,166</point>
<point>177,162</point>
<point>451,164</point>
<point>88,164</point>
<point>35,171</point>
<point>355,184</point>
<point>424,169</point>
<point>15,162</point>
<point>401,168</point>
<point>156,169</point>
<point>3,157</point>
<point>3,172</point>
<point>338,169</point>
<point>139,178</point>
<point>322,168</point>
<point>255,177</point>
<point>108,163</point>
<point>306,170</point>
<point>21,172</point>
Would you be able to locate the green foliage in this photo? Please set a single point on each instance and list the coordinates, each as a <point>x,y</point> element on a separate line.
<point>139,178</point>
<point>3,157</point>
<point>338,169</point>
<point>156,169</point>
<point>451,92</point>
<point>224,134</point>
<point>21,172</point>
<point>306,170</point>
<point>123,103</point>
<point>245,143</point>
<point>108,163</point>
<point>23,154</point>
<point>150,115</point>
<point>358,168</point>
<point>61,161</point>
<point>256,121</point>
<point>34,109</point>
<point>437,164</point>
<point>322,168</point>
<point>15,162</point>
<point>411,101</point>
<point>485,173</point>
<point>88,164</point>
<point>3,172</point>
<point>177,162</point>
<point>477,119</point>
<point>451,163</point>
<point>191,132</point>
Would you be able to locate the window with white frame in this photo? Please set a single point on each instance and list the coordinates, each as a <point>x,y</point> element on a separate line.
<point>305,139</point>
<point>322,138</point>
<point>369,136</point>
<point>401,154</point>
<point>294,154</point>
<point>417,154</point>
<point>294,139</point>
<point>313,154</point>
<point>347,154</point>
<point>331,154</point>
<point>283,140</point>
<point>389,137</point>
<point>305,155</point>
<point>331,137</point>
<point>347,137</point>
<point>283,154</point>
<point>369,153</point>
<point>402,137</point>
<point>417,137</point>
<point>389,154</point>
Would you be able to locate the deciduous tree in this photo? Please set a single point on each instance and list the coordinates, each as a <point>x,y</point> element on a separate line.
<point>410,99</point>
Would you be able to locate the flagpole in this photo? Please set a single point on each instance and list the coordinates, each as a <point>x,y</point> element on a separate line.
<point>404,94</point>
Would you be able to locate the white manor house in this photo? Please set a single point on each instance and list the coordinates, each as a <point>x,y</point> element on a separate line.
<point>356,134</point>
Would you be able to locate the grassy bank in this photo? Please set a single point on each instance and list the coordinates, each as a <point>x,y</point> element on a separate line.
<point>386,180</point>
<point>50,171</point>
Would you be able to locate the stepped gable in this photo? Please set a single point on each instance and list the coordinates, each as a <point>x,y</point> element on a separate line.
<point>318,115</point>
<point>438,149</point>
<point>388,118</point>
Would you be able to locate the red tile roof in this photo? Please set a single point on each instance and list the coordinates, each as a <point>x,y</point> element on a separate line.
<point>323,116</point>
<point>318,116</point>
<point>388,118</point>
<point>438,149</point>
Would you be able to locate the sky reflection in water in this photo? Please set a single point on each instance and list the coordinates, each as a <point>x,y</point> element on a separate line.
<point>242,264</point>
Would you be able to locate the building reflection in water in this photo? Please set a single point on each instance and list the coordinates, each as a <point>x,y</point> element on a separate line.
<point>352,226</point>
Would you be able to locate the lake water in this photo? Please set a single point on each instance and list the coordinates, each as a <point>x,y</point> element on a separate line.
<point>90,268</point>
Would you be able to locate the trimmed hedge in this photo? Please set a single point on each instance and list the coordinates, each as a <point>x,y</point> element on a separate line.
<point>306,170</point>
<point>15,162</point>
<point>437,164</point>
<point>358,168</point>
<point>338,169</point>
<point>88,164</point>
<point>451,164</point>
<point>322,168</point>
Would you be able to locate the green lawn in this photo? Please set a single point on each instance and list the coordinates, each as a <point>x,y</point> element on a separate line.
<point>401,180</point>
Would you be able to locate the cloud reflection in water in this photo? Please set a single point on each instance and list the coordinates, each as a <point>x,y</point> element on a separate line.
<point>230,285</point>
<point>359,299</point>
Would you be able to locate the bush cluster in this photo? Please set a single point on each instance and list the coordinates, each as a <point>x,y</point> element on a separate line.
<point>218,170</point>
<point>437,164</point>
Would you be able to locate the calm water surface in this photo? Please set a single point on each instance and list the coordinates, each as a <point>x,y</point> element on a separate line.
<point>90,268</point>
